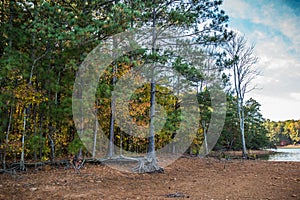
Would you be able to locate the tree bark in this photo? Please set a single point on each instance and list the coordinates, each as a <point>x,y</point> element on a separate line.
<point>205,136</point>
<point>95,131</point>
<point>52,145</point>
<point>22,166</point>
<point>151,147</point>
<point>34,127</point>
<point>149,164</point>
<point>242,127</point>
<point>112,107</point>
<point>7,139</point>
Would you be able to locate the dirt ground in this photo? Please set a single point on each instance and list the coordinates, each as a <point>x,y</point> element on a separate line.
<point>187,178</point>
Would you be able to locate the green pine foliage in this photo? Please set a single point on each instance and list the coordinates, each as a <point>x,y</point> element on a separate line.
<point>43,43</point>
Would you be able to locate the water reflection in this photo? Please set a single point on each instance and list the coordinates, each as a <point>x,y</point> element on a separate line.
<point>284,154</point>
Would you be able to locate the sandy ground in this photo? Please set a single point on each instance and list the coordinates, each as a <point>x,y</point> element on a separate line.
<point>192,178</point>
<point>297,146</point>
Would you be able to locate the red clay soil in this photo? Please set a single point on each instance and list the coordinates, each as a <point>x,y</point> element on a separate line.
<point>187,178</point>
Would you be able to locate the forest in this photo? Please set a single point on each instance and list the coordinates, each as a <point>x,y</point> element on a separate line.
<point>44,43</point>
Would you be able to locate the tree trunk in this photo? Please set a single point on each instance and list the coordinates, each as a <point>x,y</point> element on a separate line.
<point>22,166</point>
<point>41,142</point>
<point>205,137</point>
<point>111,130</point>
<point>121,143</point>
<point>175,87</point>
<point>112,107</point>
<point>173,147</point>
<point>95,131</point>
<point>6,139</point>
<point>240,108</point>
<point>242,128</point>
<point>149,164</point>
<point>52,145</point>
<point>35,149</point>
<point>151,147</point>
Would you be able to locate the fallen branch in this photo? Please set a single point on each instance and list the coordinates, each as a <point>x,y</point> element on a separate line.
<point>11,172</point>
<point>177,195</point>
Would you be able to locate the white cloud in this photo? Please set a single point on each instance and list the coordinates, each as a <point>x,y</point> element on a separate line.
<point>274,28</point>
<point>274,15</point>
<point>236,8</point>
<point>296,96</point>
<point>281,19</point>
<point>280,109</point>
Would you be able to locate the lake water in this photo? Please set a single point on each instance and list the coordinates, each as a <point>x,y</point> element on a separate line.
<point>284,154</point>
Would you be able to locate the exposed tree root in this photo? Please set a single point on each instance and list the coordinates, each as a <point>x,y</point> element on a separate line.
<point>148,165</point>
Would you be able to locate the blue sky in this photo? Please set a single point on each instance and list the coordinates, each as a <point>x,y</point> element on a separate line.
<point>274,27</point>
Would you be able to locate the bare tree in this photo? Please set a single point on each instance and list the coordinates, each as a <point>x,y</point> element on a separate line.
<point>241,60</point>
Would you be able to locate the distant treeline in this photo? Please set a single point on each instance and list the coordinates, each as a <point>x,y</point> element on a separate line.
<point>284,132</point>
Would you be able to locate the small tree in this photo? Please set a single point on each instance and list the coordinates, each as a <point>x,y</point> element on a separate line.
<point>241,59</point>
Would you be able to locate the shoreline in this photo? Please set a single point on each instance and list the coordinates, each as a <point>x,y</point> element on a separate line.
<point>238,153</point>
<point>290,146</point>
<point>251,153</point>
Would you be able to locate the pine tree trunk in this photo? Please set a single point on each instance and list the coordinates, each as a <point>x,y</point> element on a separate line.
<point>149,164</point>
<point>34,127</point>
<point>95,131</point>
<point>6,139</point>
<point>22,166</point>
<point>151,147</point>
<point>52,146</point>
<point>112,108</point>
<point>41,142</point>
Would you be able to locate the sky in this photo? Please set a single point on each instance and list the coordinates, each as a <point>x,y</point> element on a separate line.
<point>273,26</point>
